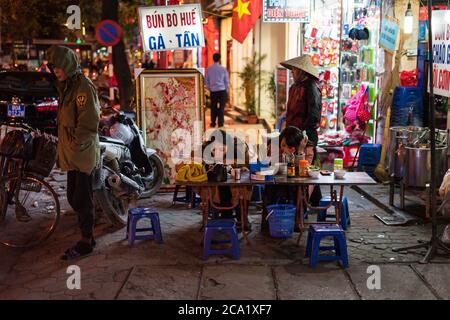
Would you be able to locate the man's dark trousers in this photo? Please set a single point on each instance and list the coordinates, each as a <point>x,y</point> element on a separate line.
<point>81,199</point>
<point>218,100</point>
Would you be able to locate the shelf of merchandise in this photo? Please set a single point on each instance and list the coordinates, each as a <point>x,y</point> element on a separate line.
<point>362,63</point>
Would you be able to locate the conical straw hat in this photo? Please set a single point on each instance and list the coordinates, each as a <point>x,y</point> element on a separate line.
<point>303,63</point>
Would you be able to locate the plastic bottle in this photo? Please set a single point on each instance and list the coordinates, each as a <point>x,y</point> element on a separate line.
<point>338,164</point>
<point>291,164</point>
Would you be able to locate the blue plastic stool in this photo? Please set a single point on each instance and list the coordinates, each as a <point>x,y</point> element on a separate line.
<point>257,194</point>
<point>212,228</point>
<point>313,248</point>
<point>369,156</point>
<point>136,214</point>
<point>344,216</point>
<point>190,196</point>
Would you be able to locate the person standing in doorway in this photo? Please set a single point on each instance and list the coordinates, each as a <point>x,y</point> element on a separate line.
<point>78,149</point>
<point>217,81</point>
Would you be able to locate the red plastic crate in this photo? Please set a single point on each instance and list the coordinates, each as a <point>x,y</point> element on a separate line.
<point>349,156</point>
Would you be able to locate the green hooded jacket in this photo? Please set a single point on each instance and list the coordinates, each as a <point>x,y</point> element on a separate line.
<point>78,114</point>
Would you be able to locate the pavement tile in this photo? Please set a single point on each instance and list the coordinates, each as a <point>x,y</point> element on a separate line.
<point>161,283</point>
<point>235,282</point>
<point>438,276</point>
<point>398,282</point>
<point>30,273</point>
<point>326,282</point>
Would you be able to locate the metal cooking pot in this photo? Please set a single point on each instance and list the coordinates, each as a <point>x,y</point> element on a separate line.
<point>418,166</point>
<point>398,139</point>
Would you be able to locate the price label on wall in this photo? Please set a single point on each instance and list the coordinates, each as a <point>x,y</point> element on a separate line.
<point>171,27</point>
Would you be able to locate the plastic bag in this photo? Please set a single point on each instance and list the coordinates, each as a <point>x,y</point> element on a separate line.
<point>409,78</point>
<point>44,146</point>
<point>17,144</point>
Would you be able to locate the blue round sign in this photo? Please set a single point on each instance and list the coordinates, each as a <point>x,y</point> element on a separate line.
<point>108,33</point>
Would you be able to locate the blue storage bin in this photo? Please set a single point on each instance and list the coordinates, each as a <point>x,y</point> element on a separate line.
<point>369,155</point>
<point>281,220</point>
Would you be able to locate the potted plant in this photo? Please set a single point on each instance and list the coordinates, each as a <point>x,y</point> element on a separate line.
<point>272,90</point>
<point>250,75</point>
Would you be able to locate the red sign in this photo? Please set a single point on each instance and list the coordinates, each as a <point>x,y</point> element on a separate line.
<point>108,33</point>
<point>423,12</point>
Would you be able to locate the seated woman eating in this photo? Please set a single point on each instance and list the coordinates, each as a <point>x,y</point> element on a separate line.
<point>290,137</point>
<point>218,151</point>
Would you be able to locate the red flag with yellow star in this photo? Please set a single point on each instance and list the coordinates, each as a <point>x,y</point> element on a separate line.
<point>245,15</point>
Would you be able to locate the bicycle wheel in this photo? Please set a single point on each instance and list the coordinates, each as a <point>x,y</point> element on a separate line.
<point>27,197</point>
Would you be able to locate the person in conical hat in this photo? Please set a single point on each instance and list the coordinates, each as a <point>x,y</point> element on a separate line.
<point>305,100</point>
<point>304,106</point>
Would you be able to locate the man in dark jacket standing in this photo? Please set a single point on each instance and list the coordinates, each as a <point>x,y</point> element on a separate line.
<point>78,141</point>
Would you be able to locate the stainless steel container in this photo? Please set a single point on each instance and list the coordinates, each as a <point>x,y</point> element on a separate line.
<point>398,139</point>
<point>414,133</point>
<point>418,170</point>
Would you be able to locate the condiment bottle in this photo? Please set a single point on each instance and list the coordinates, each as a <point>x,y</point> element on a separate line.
<point>303,168</point>
<point>338,164</point>
<point>291,164</point>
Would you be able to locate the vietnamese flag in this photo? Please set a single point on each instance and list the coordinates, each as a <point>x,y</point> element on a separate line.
<point>245,14</point>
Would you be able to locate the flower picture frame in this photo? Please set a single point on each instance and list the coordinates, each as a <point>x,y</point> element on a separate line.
<point>170,107</point>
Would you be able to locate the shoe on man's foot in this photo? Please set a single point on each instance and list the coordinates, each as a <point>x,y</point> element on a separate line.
<point>81,249</point>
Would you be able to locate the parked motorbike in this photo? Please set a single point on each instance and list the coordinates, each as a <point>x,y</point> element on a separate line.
<point>127,169</point>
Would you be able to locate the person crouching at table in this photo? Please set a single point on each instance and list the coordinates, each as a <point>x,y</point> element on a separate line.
<point>216,148</point>
<point>290,137</point>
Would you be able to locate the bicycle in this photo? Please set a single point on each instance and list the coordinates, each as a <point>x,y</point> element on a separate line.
<point>29,206</point>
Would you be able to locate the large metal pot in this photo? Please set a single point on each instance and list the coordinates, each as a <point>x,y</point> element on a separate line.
<point>398,139</point>
<point>418,166</point>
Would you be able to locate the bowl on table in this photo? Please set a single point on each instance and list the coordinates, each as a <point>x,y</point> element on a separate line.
<point>314,174</point>
<point>339,174</point>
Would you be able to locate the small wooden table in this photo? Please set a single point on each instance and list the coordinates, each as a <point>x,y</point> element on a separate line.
<point>243,187</point>
<point>245,184</point>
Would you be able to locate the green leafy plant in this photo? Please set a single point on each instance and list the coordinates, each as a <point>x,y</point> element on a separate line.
<point>271,87</point>
<point>250,75</point>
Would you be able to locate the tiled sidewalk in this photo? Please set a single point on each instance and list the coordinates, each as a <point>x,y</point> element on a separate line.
<point>268,269</point>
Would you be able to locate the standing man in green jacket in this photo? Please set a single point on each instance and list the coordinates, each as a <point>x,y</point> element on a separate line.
<point>78,141</point>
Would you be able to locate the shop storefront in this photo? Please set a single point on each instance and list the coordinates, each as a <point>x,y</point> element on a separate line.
<point>342,40</point>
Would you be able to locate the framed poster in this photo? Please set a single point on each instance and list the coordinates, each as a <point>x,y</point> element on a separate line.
<point>171,114</point>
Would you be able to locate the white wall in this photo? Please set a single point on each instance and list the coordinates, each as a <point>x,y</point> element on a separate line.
<point>238,54</point>
<point>273,46</point>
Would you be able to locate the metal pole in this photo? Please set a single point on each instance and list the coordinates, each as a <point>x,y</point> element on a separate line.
<point>1,32</point>
<point>259,71</point>
<point>111,74</point>
<point>432,126</point>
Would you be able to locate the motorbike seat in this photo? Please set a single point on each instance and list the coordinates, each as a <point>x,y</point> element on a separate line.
<point>111,140</point>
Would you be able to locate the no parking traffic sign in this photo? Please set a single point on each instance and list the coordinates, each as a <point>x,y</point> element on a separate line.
<point>108,33</point>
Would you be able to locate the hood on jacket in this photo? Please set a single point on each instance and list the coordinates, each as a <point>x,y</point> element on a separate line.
<point>64,58</point>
